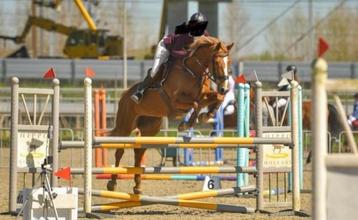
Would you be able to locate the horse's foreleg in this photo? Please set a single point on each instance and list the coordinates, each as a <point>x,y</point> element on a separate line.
<point>186,124</point>
<point>213,102</point>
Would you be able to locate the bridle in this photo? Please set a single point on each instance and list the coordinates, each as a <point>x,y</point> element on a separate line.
<point>210,74</point>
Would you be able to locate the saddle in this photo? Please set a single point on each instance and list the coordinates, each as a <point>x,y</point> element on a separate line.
<point>162,74</point>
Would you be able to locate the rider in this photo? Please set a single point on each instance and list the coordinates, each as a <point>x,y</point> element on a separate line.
<point>283,85</point>
<point>291,73</point>
<point>173,45</point>
<point>229,99</point>
<point>353,118</point>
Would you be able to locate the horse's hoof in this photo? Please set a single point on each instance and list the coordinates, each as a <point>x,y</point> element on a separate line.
<point>183,126</point>
<point>203,118</point>
<point>111,185</point>
<point>137,190</point>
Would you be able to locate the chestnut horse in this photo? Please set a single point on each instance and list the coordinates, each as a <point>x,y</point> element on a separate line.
<point>334,126</point>
<point>180,91</point>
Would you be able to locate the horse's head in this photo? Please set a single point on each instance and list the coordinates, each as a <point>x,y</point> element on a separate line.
<point>213,56</point>
<point>221,66</point>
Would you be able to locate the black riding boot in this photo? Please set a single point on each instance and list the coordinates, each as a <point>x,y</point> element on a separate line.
<point>138,95</point>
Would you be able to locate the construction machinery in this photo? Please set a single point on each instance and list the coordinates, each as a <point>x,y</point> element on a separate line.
<point>81,43</point>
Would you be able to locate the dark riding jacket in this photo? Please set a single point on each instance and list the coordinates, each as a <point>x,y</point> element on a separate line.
<point>176,43</point>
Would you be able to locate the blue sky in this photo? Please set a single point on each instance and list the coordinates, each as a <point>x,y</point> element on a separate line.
<point>260,13</point>
<point>147,14</point>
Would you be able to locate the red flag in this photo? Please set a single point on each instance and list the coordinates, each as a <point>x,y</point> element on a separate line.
<point>50,74</point>
<point>240,79</point>
<point>322,46</point>
<point>89,72</point>
<point>64,173</point>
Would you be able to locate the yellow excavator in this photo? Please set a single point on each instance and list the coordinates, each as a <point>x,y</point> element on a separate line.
<point>81,43</point>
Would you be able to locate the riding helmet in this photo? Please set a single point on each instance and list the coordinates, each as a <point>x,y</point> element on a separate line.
<point>197,24</point>
<point>291,68</point>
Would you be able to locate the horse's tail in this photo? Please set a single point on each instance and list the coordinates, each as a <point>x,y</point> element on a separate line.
<point>334,126</point>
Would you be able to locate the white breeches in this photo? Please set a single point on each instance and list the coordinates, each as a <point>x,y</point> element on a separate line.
<point>161,56</point>
<point>280,103</point>
<point>229,97</point>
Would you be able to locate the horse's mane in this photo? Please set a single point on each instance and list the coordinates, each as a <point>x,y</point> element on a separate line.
<point>206,41</point>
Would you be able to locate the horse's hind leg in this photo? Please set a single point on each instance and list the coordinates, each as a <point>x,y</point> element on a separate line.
<point>120,130</point>
<point>148,126</point>
<point>111,185</point>
<point>138,158</point>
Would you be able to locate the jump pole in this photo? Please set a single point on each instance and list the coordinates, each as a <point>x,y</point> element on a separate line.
<point>79,144</point>
<point>219,127</point>
<point>13,149</point>
<point>164,170</point>
<point>88,137</point>
<point>295,149</point>
<point>319,128</point>
<point>164,177</point>
<point>259,150</point>
<point>243,120</point>
<point>100,120</point>
<point>184,196</point>
<point>183,200</point>
<point>151,141</point>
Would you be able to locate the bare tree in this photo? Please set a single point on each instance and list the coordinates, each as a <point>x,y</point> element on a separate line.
<point>237,26</point>
<point>281,35</point>
<point>340,31</point>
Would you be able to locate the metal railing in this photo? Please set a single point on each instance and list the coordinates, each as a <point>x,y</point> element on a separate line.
<point>112,70</point>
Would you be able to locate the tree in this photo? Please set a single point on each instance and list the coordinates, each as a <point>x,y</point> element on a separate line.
<point>237,26</point>
<point>340,31</point>
<point>281,35</point>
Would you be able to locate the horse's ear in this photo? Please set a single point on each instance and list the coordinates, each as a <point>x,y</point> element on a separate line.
<point>228,47</point>
<point>217,46</point>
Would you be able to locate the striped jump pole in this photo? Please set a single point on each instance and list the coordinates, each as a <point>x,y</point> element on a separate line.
<point>183,200</point>
<point>164,170</point>
<point>79,144</point>
<point>194,140</point>
<point>184,196</point>
<point>164,177</point>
